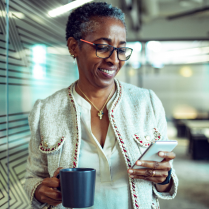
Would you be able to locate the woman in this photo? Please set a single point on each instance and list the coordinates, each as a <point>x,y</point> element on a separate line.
<point>99,122</point>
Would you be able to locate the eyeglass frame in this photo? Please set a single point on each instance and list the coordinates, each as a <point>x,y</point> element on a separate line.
<point>114,48</point>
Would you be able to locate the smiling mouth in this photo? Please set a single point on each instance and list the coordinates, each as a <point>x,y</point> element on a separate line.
<point>109,72</point>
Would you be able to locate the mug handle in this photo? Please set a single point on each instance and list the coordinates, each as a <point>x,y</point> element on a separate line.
<point>58,188</point>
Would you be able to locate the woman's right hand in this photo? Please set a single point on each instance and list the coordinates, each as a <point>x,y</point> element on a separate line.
<point>47,191</point>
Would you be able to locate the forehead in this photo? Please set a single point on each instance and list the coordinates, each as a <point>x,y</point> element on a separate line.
<point>106,27</point>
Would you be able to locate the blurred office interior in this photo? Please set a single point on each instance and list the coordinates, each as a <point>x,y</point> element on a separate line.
<point>170,39</point>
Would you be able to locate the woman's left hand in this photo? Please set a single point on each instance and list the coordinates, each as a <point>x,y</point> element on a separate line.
<point>155,172</point>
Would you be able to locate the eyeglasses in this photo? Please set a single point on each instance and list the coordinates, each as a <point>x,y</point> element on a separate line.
<point>105,51</point>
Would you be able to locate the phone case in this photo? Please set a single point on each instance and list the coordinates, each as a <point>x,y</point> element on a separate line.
<point>151,153</point>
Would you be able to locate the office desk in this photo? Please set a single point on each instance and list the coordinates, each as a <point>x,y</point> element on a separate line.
<point>198,134</point>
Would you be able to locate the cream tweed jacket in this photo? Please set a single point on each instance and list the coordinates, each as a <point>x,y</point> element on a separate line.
<point>137,118</point>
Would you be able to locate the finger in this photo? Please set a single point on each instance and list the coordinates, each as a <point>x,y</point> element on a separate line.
<point>149,164</point>
<point>148,178</point>
<point>57,171</point>
<point>53,194</point>
<point>51,182</point>
<point>167,155</point>
<point>50,193</point>
<point>149,173</point>
<point>165,165</point>
<point>140,172</point>
<point>51,201</point>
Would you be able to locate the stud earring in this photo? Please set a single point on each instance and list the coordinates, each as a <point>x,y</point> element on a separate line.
<point>72,55</point>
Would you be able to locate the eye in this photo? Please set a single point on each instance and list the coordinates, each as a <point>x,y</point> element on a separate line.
<point>122,50</point>
<point>102,48</point>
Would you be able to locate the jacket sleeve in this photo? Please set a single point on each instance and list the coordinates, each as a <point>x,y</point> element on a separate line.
<point>162,128</point>
<point>36,168</point>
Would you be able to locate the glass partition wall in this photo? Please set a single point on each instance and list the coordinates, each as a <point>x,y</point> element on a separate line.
<point>35,63</point>
<point>177,71</point>
<point>4,110</point>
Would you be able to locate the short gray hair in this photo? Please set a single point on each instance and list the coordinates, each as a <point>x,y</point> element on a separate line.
<point>81,21</point>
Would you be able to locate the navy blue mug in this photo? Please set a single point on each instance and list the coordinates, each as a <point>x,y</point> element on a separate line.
<point>77,186</point>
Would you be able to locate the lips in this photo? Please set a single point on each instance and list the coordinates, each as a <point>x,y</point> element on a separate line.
<point>109,72</point>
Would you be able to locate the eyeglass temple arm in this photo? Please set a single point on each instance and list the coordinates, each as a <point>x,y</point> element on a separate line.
<point>87,42</point>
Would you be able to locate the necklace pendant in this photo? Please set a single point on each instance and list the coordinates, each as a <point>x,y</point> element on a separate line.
<point>100,114</point>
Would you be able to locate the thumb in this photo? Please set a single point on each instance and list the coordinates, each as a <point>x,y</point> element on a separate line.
<point>57,171</point>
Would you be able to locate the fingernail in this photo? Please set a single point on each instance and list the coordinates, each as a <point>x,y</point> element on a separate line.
<point>161,154</point>
<point>138,162</point>
<point>131,176</point>
<point>130,171</point>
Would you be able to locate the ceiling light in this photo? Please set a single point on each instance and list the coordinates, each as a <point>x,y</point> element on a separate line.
<point>67,7</point>
<point>184,112</point>
<point>131,72</point>
<point>198,59</point>
<point>187,52</point>
<point>154,46</point>
<point>186,71</point>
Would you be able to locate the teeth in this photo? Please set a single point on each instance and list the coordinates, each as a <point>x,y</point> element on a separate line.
<point>110,72</point>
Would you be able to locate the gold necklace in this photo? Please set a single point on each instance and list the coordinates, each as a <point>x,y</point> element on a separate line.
<point>100,112</point>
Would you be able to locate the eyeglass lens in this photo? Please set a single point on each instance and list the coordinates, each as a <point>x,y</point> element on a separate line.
<point>104,51</point>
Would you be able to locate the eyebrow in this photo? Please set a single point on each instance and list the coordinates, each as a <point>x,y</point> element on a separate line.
<point>109,40</point>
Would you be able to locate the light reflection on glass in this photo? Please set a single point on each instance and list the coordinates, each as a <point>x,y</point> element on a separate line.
<point>166,53</point>
<point>135,59</point>
<point>39,61</point>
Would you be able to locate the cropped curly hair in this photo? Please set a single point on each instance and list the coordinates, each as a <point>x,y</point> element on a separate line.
<point>80,21</point>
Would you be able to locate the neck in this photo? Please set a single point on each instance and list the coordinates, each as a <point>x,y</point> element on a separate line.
<point>96,95</point>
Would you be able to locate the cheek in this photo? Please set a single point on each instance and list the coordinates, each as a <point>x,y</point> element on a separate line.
<point>121,64</point>
<point>91,61</point>
<point>93,65</point>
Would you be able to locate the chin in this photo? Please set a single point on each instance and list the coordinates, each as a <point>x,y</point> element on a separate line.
<point>105,83</point>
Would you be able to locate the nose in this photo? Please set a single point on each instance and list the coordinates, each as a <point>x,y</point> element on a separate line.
<point>113,58</point>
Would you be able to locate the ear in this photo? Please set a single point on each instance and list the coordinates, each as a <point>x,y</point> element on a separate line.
<point>72,46</point>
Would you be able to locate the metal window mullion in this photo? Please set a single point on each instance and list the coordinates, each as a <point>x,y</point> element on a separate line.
<point>7,97</point>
